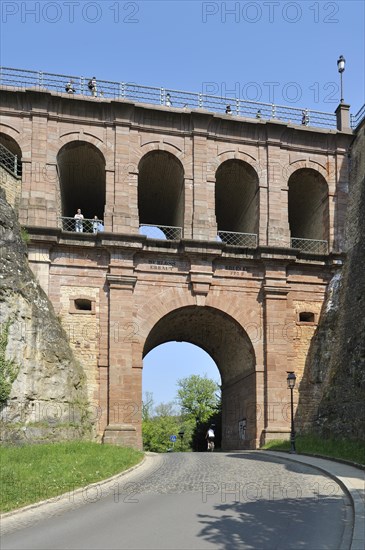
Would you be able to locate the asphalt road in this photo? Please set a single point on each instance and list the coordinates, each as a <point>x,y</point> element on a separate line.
<point>194,501</point>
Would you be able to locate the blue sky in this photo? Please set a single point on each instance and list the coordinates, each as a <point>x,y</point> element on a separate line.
<point>281,52</point>
<point>270,51</point>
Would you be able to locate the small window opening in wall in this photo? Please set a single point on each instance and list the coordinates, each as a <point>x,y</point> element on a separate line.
<point>83,304</point>
<point>306,317</point>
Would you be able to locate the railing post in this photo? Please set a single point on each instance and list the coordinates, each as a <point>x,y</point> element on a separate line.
<point>122,89</point>
<point>162,96</point>
<point>40,79</point>
<point>273,111</point>
<point>237,107</point>
<point>82,82</point>
<point>200,100</point>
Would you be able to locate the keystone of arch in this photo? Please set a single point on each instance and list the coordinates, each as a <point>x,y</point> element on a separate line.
<point>70,137</point>
<point>242,156</point>
<point>289,169</point>
<point>170,300</point>
<point>165,146</point>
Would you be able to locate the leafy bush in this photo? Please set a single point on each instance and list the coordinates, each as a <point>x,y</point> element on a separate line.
<point>8,369</point>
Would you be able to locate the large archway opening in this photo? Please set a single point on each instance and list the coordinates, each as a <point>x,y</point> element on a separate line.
<point>308,206</point>
<point>236,199</point>
<point>227,343</point>
<point>81,169</point>
<point>171,368</point>
<point>161,193</point>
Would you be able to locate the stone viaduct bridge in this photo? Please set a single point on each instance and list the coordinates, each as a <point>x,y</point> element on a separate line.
<point>248,214</point>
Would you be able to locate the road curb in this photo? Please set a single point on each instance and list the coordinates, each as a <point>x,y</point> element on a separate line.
<point>356,498</point>
<point>78,495</point>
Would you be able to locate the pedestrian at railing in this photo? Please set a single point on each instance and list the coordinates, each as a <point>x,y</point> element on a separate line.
<point>79,221</point>
<point>92,86</point>
<point>69,87</point>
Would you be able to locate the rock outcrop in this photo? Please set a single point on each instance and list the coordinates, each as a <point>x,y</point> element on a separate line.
<point>48,396</point>
<point>332,392</point>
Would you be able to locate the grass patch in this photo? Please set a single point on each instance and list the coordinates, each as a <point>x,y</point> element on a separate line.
<point>31,473</point>
<point>333,448</point>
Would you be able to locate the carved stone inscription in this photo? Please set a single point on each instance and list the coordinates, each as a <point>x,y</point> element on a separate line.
<point>161,264</point>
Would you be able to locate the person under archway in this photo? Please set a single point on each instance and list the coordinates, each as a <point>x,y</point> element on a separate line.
<point>79,221</point>
<point>210,437</point>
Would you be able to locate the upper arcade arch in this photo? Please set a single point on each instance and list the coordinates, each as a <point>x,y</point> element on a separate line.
<point>237,197</point>
<point>160,190</point>
<point>81,171</point>
<point>308,205</point>
<point>13,146</point>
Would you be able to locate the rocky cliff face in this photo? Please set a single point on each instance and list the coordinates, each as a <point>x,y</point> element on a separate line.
<point>332,393</point>
<point>48,396</point>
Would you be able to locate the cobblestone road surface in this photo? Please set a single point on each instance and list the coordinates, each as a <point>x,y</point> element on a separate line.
<point>242,500</point>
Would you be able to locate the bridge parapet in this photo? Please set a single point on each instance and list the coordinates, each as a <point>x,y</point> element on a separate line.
<point>104,89</point>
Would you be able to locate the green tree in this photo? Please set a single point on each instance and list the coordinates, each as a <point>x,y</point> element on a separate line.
<point>199,397</point>
<point>147,406</point>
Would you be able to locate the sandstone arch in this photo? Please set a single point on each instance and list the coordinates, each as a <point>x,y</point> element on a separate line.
<point>308,205</point>
<point>161,189</point>
<point>237,197</point>
<point>12,145</point>
<point>81,171</point>
<point>225,340</point>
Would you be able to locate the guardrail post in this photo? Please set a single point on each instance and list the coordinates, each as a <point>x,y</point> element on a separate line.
<point>40,79</point>
<point>273,111</point>
<point>237,107</point>
<point>200,100</point>
<point>162,96</point>
<point>82,83</point>
<point>122,89</point>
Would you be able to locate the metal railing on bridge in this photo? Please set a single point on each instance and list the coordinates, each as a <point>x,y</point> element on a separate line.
<point>163,232</point>
<point>246,240</point>
<point>10,161</point>
<point>309,245</point>
<point>78,85</point>
<point>85,225</point>
<point>357,119</point>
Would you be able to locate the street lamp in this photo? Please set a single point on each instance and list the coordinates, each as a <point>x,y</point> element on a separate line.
<point>341,67</point>
<point>291,383</point>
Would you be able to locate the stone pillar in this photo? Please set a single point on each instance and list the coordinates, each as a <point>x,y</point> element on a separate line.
<point>123,209</point>
<point>343,117</point>
<point>204,223</point>
<point>124,382</point>
<point>278,222</point>
<point>277,349</point>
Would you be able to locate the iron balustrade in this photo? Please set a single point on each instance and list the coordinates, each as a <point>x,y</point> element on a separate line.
<point>246,240</point>
<point>309,245</point>
<point>357,119</point>
<point>38,80</point>
<point>163,232</point>
<point>86,225</point>
<point>10,161</point>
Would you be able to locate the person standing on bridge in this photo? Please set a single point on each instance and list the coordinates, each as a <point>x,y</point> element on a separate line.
<point>95,224</point>
<point>70,87</point>
<point>92,86</point>
<point>79,221</point>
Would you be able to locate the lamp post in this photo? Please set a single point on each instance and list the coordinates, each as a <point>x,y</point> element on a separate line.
<point>341,67</point>
<point>291,384</point>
